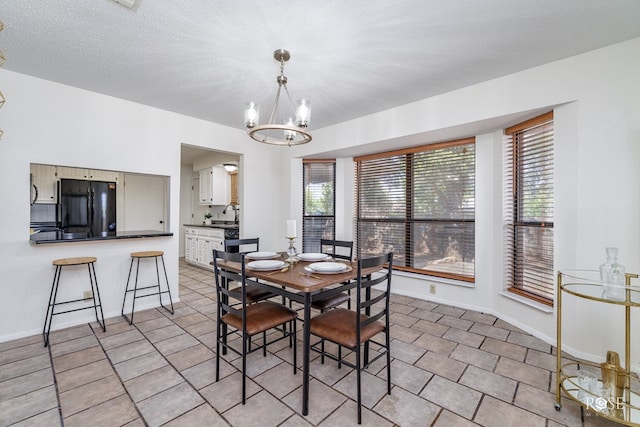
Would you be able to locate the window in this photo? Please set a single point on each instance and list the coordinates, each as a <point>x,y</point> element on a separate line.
<point>318,200</point>
<point>420,204</point>
<point>528,209</point>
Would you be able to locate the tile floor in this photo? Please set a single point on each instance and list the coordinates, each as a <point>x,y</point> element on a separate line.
<point>450,367</point>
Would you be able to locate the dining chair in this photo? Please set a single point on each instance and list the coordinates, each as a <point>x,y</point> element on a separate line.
<point>253,245</point>
<point>246,319</point>
<point>340,249</point>
<point>357,329</point>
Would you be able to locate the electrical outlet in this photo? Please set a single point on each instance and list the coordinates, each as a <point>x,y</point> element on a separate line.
<point>88,294</point>
<point>432,289</point>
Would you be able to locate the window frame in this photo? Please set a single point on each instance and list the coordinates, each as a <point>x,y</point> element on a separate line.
<point>410,219</point>
<point>309,243</point>
<point>515,265</point>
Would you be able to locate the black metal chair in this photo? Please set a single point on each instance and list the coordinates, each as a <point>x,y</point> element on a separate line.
<point>245,319</point>
<point>234,245</point>
<point>339,249</point>
<point>357,329</point>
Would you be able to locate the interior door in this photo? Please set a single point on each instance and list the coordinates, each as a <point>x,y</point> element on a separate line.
<point>145,202</point>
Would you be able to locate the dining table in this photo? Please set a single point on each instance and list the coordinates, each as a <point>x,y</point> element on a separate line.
<point>297,282</point>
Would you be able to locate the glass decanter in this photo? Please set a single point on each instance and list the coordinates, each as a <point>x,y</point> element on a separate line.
<point>612,276</point>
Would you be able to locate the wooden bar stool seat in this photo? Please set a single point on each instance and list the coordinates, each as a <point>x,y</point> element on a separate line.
<point>53,303</point>
<point>157,290</point>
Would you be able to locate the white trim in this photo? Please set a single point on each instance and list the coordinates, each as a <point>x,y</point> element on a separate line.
<point>434,279</point>
<point>529,302</point>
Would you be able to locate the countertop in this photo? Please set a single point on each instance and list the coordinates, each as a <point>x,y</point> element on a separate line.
<point>59,237</point>
<point>229,225</point>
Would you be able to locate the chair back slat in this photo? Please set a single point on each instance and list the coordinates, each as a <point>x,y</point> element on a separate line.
<point>374,300</point>
<point>341,249</point>
<point>366,303</point>
<point>242,245</point>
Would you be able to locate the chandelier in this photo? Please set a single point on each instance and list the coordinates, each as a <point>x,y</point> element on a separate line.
<point>290,132</point>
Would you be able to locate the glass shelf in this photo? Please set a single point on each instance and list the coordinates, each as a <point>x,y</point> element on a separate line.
<point>586,284</point>
<point>619,411</point>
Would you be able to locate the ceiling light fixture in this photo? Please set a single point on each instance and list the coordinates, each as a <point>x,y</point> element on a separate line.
<point>291,132</point>
<point>230,167</point>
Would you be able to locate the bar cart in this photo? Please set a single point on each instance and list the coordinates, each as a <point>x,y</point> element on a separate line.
<point>625,408</point>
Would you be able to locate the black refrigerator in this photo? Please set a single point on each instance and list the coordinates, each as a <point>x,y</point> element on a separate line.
<point>87,208</point>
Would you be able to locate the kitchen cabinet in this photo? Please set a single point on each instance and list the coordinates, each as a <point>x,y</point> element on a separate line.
<point>72,173</point>
<point>214,186</point>
<point>44,180</point>
<point>200,243</point>
<point>101,175</point>
<point>190,245</point>
<point>43,184</point>
<point>90,174</point>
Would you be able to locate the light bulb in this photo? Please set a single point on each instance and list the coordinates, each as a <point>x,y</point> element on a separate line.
<point>251,114</point>
<point>303,112</point>
<point>288,134</point>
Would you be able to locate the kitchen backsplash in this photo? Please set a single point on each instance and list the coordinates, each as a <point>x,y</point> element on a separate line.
<point>216,212</point>
<point>43,213</point>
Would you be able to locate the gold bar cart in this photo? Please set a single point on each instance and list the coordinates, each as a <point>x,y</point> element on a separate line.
<point>586,284</point>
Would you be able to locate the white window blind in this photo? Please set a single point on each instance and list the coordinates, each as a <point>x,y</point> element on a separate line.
<point>528,209</point>
<point>420,204</point>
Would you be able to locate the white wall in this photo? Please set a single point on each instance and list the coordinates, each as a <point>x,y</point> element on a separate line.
<point>46,122</point>
<point>596,99</point>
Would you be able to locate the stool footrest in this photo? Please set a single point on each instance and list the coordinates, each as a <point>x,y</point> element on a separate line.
<point>150,295</point>
<point>75,309</point>
<point>145,287</point>
<point>75,300</point>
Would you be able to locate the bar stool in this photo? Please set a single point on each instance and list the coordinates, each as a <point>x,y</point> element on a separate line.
<point>65,262</point>
<point>136,256</point>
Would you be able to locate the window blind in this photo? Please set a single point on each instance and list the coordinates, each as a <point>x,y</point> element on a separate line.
<point>528,209</point>
<point>319,183</point>
<point>420,204</point>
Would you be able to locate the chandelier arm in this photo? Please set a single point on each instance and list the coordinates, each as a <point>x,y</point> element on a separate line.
<point>293,106</point>
<point>274,108</point>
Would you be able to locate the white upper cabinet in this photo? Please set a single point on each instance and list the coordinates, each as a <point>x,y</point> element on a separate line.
<point>43,184</point>
<point>214,186</point>
<point>100,175</point>
<point>90,174</point>
<point>72,173</point>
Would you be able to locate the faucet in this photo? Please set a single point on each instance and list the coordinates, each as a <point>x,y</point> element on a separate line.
<point>235,210</point>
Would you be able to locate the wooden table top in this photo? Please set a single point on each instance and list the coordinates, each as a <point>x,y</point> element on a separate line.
<point>296,277</point>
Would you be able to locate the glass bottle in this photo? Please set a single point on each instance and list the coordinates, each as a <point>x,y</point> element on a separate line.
<point>612,276</point>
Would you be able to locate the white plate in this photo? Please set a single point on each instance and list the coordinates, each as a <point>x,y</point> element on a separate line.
<point>311,270</point>
<point>261,255</point>
<point>313,257</point>
<point>327,267</point>
<point>266,265</point>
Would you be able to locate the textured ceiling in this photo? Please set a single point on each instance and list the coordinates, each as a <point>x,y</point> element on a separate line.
<point>205,59</point>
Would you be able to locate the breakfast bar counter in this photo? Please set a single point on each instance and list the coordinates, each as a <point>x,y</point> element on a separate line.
<point>48,237</point>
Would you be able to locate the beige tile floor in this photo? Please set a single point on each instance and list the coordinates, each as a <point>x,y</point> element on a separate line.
<point>450,367</point>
